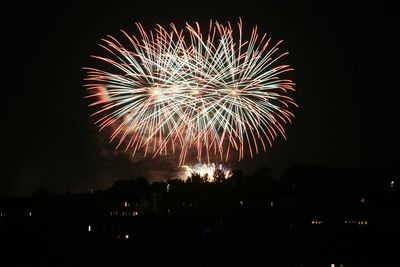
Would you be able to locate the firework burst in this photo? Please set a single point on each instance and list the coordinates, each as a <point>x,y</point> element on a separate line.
<point>174,89</point>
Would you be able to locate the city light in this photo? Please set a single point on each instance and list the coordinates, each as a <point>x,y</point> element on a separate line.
<point>316,222</point>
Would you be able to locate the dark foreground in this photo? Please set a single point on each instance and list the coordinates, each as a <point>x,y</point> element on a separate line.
<point>310,217</point>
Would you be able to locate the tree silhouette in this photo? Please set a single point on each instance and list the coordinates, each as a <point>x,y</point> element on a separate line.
<point>218,176</point>
<point>195,178</point>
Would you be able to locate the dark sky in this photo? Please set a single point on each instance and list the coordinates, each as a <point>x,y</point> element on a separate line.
<point>346,68</point>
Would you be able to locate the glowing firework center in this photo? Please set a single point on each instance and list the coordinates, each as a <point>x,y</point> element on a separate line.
<point>206,172</point>
<point>178,89</point>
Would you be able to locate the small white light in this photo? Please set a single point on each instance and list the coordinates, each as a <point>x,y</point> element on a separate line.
<point>89,228</point>
<point>30,213</point>
<point>392,184</point>
<point>126,236</point>
<point>241,202</point>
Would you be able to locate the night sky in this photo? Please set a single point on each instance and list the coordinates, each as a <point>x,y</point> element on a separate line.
<point>346,67</point>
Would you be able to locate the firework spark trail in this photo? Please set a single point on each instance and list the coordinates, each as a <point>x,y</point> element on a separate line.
<point>178,89</point>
